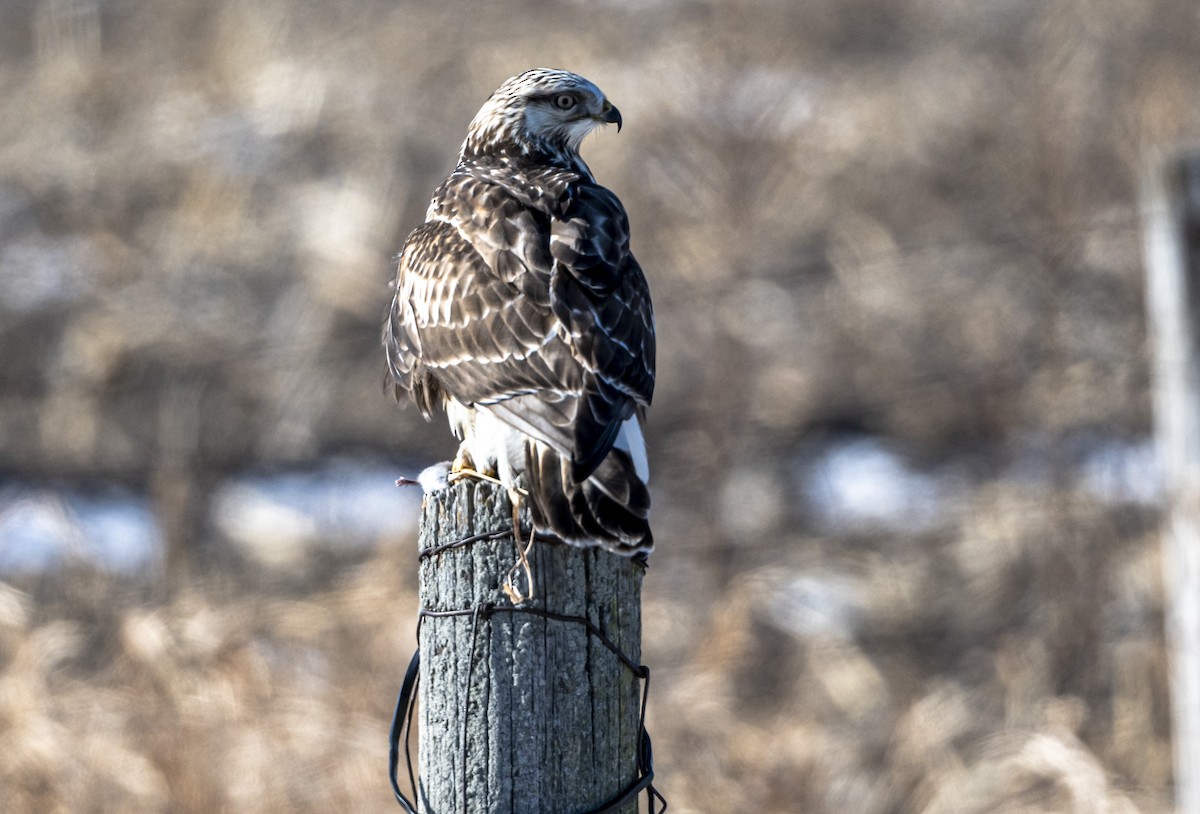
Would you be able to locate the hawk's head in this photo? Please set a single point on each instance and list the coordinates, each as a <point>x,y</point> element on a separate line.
<point>540,111</point>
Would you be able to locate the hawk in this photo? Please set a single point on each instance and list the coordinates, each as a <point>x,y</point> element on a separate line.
<point>521,311</point>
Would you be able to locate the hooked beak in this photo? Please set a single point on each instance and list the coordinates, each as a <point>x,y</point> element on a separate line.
<point>612,115</point>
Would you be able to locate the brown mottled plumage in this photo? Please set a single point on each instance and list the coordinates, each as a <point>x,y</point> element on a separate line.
<point>520,310</point>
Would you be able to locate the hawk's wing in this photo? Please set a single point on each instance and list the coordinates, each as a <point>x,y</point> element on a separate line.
<point>520,294</point>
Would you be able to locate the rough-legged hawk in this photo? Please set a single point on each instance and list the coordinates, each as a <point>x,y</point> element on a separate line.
<point>520,310</point>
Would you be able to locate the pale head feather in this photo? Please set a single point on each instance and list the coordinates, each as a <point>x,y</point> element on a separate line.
<point>528,114</point>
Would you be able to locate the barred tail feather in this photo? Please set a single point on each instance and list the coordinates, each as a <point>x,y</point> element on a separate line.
<point>611,508</point>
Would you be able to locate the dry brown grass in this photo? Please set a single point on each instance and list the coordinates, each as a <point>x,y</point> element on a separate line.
<point>991,669</point>
<point>225,699</point>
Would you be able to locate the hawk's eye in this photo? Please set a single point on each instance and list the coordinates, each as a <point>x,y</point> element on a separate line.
<point>564,101</point>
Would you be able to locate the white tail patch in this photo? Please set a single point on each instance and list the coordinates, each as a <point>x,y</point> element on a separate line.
<point>631,441</point>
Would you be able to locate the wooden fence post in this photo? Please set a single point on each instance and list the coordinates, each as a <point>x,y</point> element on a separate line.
<point>523,710</point>
<point>1171,231</point>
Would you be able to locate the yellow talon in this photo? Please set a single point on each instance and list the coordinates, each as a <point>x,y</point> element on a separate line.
<point>465,472</point>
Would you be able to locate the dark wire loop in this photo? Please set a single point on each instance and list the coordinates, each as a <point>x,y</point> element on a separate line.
<point>486,536</point>
<point>401,727</point>
<point>407,700</point>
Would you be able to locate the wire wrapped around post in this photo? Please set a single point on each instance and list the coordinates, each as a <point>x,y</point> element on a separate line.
<point>538,707</point>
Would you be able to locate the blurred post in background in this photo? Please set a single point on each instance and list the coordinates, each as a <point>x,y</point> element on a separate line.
<point>1172,245</point>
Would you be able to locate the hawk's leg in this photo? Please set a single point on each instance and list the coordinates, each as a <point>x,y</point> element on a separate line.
<point>463,463</point>
<point>464,467</point>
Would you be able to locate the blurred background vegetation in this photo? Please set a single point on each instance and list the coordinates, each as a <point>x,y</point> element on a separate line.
<point>906,497</point>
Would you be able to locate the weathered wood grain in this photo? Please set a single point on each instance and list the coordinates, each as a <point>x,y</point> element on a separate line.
<point>551,713</point>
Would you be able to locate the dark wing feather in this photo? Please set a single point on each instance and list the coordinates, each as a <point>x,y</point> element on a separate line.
<point>601,295</point>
